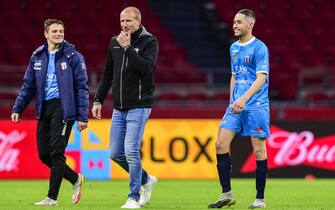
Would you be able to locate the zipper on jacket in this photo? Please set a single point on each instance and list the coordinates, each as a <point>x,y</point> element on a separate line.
<point>140,90</point>
<point>64,128</point>
<point>123,56</point>
<point>57,63</point>
<point>44,76</point>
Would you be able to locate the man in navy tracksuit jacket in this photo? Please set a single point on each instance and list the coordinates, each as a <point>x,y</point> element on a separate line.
<point>57,77</point>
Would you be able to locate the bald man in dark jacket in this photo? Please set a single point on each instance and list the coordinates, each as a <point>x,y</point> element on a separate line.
<point>129,69</point>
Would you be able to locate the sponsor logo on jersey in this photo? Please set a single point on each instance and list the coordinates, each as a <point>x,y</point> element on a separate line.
<point>241,81</point>
<point>241,69</point>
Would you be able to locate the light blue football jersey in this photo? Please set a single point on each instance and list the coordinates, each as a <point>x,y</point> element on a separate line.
<point>51,86</point>
<point>248,59</point>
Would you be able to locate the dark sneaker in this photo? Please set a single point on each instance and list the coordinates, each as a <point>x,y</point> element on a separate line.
<point>224,200</point>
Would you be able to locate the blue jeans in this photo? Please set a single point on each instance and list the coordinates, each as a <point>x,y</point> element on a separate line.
<point>125,141</point>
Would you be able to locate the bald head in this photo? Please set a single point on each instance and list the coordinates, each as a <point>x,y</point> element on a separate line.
<point>130,19</point>
<point>136,12</point>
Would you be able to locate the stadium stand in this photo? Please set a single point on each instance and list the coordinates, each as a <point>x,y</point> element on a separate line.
<point>192,69</point>
<point>90,26</point>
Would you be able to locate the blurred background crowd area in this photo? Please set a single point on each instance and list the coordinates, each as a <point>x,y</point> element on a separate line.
<point>193,69</point>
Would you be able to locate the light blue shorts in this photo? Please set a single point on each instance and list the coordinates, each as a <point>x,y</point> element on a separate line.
<point>253,123</point>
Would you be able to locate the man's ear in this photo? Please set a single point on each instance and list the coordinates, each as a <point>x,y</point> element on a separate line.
<point>251,24</point>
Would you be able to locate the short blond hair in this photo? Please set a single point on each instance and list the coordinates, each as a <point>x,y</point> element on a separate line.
<point>49,22</point>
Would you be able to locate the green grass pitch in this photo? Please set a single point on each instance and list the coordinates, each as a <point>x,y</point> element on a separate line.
<point>286,194</point>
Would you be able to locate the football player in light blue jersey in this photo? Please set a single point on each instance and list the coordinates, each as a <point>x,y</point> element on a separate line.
<point>248,112</point>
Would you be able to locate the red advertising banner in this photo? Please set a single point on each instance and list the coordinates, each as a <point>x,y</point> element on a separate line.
<point>287,149</point>
<point>183,147</point>
<point>18,151</point>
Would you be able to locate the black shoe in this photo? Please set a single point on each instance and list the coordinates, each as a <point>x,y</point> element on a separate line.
<point>222,201</point>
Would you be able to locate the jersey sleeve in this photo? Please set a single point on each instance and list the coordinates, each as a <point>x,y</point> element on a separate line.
<point>262,60</point>
<point>231,61</point>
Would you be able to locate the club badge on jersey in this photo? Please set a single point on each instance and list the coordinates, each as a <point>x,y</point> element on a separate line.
<point>247,59</point>
<point>63,65</point>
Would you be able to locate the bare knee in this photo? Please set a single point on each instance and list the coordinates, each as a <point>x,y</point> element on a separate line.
<point>223,141</point>
<point>259,147</point>
<point>222,147</point>
<point>260,154</point>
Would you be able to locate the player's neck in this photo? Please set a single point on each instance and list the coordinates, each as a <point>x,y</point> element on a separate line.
<point>52,48</point>
<point>245,38</point>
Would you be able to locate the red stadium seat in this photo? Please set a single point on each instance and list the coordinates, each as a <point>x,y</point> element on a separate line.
<point>169,96</point>
<point>101,20</point>
<point>319,113</point>
<point>197,96</point>
<point>224,96</point>
<point>318,96</point>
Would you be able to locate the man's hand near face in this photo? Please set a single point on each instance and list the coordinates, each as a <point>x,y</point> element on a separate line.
<point>124,38</point>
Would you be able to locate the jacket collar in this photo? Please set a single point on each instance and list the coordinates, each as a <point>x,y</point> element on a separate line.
<point>65,48</point>
<point>141,32</point>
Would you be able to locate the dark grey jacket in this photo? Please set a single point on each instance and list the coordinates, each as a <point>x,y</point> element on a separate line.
<point>130,72</point>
